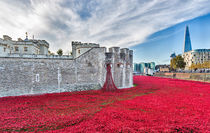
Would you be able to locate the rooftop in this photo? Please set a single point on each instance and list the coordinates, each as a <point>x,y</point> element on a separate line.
<point>201,50</point>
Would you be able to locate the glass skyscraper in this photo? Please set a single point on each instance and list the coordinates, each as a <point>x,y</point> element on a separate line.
<point>187,41</point>
<point>139,68</point>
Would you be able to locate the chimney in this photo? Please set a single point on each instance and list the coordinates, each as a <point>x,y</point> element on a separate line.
<point>19,39</point>
<point>6,37</point>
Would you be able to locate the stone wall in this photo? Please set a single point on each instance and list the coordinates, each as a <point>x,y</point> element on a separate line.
<point>122,68</point>
<point>27,75</point>
<point>24,76</point>
<point>78,48</point>
<point>188,76</point>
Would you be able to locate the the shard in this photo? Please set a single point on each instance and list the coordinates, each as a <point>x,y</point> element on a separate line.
<point>187,42</point>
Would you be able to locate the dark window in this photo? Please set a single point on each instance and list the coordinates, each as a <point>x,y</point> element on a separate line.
<point>90,64</point>
<point>25,49</point>
<point>16,49</point>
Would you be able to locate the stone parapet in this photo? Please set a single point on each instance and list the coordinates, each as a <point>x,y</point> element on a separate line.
<point>36,56</point>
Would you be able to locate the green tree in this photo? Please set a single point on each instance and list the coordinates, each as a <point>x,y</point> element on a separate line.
<point>193,66</point>
<point>60,52</point>
<point>200,66</point>
<point>50,53</point>
<point>173,64</point>
<point>177,62</point>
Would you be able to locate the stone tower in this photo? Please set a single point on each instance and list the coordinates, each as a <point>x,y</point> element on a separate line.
<point>122,66</point>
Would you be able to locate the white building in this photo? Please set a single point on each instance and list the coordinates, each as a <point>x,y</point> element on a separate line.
<point>22,47</point>
<point>196,56</point>
<point>148,71</point>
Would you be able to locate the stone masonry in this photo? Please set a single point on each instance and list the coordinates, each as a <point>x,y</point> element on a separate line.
<point>29,76</point>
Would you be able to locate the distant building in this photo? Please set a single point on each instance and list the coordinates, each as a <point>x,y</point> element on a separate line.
<point>173,55</point>
<point>142,67</point>
<point>196,56</point>
<point>187,41</point>
<point>162,68</point>
<point>193,56</point>
<point>27,46</point>
<point>152,65</point>
<point>136,67</point>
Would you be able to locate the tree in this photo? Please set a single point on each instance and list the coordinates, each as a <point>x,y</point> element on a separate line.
<point>177,62</point>
<point>193,66</point>
<point>50,53</point>
<point>60,52</point>
<point>200,66</point>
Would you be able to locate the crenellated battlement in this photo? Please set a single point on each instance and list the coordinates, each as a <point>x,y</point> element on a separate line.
<point>131,52</point>
<point>80,44</point>
<point>116,52</point>
<point>114,49</point>
<point>79,48</point>
<point>121,60</point>
<point>124,50</point>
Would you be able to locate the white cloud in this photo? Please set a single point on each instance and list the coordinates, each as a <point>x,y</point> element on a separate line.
<point>108,22</point>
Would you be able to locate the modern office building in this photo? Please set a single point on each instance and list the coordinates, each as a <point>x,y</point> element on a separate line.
<point>193,56</point>
<point>187,41</point>
<point>196,56</point>
<point>141,68</point>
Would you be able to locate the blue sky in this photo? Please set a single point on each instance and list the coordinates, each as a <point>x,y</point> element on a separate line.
<point>153,28</point>
<point>158,46</point>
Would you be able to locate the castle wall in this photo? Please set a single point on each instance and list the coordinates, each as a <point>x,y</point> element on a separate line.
<point>24,76</point>
<point>122,68</point>
<point>79,48</point>
<point>2,52</point>
<point>80,51</point>
<point>38,74</point>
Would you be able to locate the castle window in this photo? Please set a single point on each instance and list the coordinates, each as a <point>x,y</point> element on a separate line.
<point>4,49</point>
<point>120,65</point>
<point>37,77</point>
<point>89,64</point>
<point>79,51</point>
<point>25,49</point>
<point>16,48</point>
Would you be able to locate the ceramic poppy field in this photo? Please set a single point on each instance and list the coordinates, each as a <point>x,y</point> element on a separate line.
<point>153,105</point>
